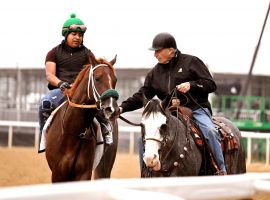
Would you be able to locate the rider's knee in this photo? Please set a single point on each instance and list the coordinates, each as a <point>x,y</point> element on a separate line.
<point>213,132</point>
<point>46,107</point>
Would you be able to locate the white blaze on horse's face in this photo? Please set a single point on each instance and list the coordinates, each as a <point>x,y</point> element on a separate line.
<point>153,139</point>
<point>109,106</point>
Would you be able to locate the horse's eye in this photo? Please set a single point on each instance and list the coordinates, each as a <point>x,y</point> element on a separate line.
<point>163,128</point>
<point>97,78</point>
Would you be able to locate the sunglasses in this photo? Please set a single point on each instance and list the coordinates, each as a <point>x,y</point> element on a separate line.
<point>74,27</point>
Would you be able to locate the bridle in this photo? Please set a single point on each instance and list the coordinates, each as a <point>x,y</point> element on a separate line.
<point>143,127</point>
<point>97,96</point>
<point>166,152</point>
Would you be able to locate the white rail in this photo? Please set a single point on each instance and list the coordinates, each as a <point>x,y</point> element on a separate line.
<point>132,130</point>
<point>12,124</point>
<point>243,186</point>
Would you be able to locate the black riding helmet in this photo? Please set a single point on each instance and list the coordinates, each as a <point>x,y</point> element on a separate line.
<point>163,40</point>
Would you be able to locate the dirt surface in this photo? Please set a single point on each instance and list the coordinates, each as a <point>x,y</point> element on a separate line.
<point>24,166</point>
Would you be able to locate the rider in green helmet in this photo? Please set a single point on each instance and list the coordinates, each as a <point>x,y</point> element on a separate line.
<point>62,65</point>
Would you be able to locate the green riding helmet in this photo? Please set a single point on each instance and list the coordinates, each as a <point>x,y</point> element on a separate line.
<point>73,25</point>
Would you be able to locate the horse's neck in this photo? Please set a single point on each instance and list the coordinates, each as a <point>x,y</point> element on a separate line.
<point>178,129</point>
<point>80,95</point>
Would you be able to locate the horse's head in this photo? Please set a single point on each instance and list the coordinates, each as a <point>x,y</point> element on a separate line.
<point>96,85</point>
<point>103,87</point>
<point>154,121</point>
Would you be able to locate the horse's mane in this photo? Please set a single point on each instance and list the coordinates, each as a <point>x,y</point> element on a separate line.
<point>153,106</point>
<point>82,73</point>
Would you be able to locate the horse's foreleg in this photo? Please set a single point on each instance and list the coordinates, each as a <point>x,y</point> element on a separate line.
<point>104,168</point>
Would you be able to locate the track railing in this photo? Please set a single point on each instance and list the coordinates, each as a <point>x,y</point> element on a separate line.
<point>132,130</point>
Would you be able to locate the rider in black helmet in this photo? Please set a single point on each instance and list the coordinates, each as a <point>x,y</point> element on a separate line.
<point>188,74</point>
<point>162,41</point>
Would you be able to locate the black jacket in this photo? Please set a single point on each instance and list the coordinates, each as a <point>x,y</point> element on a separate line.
<point>163,78</point>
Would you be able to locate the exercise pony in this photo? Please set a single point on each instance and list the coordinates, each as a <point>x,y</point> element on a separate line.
<point>72,138</point>
<point>174,145</point>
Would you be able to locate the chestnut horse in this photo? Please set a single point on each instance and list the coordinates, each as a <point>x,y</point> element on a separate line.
<point>71,139</point>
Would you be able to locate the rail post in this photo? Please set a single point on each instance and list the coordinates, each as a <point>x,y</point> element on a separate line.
<point>10,134</point>
<point>131,143</point>
<point>249,150</point>
<point>267,161</point>
<point>36,137</point>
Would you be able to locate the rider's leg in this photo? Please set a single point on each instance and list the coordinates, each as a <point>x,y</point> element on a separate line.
<point>106,127</point>
<point>47,104</point>
<point>211,134</point>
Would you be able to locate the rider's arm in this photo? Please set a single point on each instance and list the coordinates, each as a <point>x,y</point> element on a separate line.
<point>136,100</point>
<point>51,73</point>
<point>202,78</point>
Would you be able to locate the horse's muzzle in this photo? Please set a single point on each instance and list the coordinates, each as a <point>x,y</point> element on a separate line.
<point>152,162</point>
<point>111,110</point>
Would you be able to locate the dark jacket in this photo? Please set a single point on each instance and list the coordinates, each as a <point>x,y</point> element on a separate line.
<point>163,78</point>
<point>69,61</point>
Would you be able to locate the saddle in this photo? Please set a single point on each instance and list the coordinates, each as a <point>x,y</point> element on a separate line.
<point>228,140</point>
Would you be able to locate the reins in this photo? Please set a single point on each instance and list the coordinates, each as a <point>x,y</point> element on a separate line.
<point>80,105</point>
<point>129,122</point>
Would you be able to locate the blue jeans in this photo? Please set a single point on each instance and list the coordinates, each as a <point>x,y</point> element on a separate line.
<point>209,131</point>
<point>48,103</point>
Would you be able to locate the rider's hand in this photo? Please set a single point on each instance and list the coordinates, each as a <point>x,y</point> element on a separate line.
<point>120,109</point>
<point>63,85</point>
<point>183,87</point>
<point>119,112</point>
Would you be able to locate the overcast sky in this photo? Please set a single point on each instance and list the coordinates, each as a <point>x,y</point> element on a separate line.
<point>223,33</point>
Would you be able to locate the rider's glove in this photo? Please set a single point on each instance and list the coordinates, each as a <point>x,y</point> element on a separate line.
<point>63,85</point>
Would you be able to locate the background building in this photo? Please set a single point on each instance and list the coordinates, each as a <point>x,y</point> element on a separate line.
<point>21,90</point>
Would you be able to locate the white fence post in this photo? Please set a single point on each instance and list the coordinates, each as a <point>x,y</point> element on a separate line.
<point>36,137</point>
<point>267,162</point>
<point>249,150</point>
<point>10,134</point>
<point>131,143</point>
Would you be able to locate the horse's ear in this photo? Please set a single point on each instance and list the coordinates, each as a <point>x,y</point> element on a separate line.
<point>163,104</point>
<point>113,61</point>
<point>92,59</point>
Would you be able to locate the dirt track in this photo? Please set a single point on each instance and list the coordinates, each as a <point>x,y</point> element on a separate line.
<point>24,166</point>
